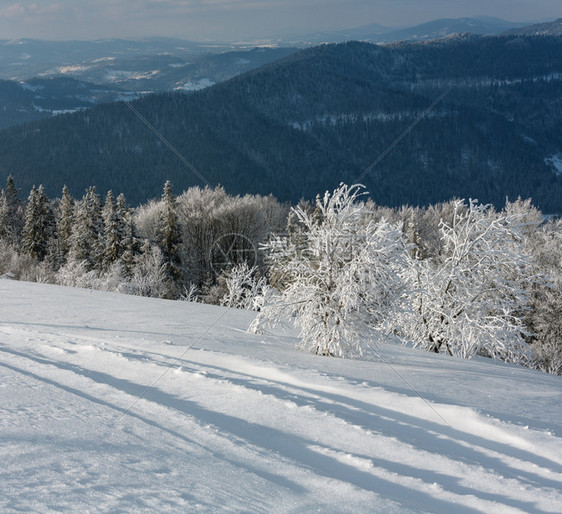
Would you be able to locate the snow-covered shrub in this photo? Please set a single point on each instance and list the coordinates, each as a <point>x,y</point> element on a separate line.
<point>470,300</point>
<point>547,353</point>
<point>544,317</point>
<point>17,265</point>
<point>190,293</point>
<point>340,274</point>
<point>40,272</point>
<point>78,274</point>
<point>113,278</point>
<point>8,254</point>
<point>147,219</point>
<point>150,277</point>
<point>244,289</point>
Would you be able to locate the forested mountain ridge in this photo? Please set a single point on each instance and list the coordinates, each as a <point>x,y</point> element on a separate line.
<point>303,124</point>
<point>40,98</point>
<point>71,87</point>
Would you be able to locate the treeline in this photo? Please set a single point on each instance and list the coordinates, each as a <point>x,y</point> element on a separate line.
<point>164,248</point>
<point>458,278</point>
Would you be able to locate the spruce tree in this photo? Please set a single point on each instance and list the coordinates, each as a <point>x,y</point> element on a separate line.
<point>10,222</point>
<point>11,192</point>
<point>130,246</point>
<point>39,227</point>
<point>169,238</point>
<point>65,222</point>
<point>114,228</point>
<point>87,233</point>
<point>5,225</point>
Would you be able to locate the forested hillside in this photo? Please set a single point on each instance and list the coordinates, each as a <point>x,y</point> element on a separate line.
<point>321,116</point>
<point>41,98</point>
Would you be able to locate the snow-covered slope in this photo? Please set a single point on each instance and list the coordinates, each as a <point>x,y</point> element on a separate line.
<point>239,422</point>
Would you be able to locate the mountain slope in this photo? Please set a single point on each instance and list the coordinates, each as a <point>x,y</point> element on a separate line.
<point>165,72</point>
<point>321,116</point>
<point>75,85</point>
<point>553,28</point>
<point>125,403</point>
<point>42,98</point>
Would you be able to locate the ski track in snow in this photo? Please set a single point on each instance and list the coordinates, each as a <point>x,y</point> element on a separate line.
<point>247,423</point>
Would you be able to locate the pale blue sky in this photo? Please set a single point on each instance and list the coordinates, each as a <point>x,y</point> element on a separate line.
<point>242,19</point>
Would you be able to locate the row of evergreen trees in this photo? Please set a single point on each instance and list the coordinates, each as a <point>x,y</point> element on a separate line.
<point>69,237</point>
<point>148,250</point>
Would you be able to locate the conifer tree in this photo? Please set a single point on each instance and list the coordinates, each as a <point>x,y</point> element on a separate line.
<point>114,228</point>
<point>87,232</point>
<point>65,222</point>
<point>10,224</point>
<point>5,226</point>
<point>11,192</point>
<point>39,227</point>
<point>169,238</point>
<point>130,244</point>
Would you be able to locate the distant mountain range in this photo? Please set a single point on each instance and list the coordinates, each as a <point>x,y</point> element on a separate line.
<point>166,72</point>
<point>22,59</point>
<point>166,63</point>
<point>302,124</point>
<point>74,87</point>
<point>553,28</point>
<point>105,70</point>
<point>375,33</point>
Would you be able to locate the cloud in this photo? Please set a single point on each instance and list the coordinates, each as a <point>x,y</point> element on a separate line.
<point>13,11</point>
<point>21,10</point>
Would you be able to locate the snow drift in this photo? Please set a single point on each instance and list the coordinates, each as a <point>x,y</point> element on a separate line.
<point>114,402</point>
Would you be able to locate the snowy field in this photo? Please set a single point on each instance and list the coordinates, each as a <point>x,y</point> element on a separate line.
<point>244,423</point>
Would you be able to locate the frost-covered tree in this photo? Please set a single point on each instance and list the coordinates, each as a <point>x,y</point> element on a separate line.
<point>86,239</point>
<point>130,244</point>
<point>245,290</point>
<point>11,221</point>
<point>168,237</point>
<point>544,317</point>
<point>6,228</point>
<point>212,221</point>
<point>114,230</point>
<point>39,228</point>
<point>469,300</point>
<point>150,275</point>
<point>341,277</point>
<point>65,222</point>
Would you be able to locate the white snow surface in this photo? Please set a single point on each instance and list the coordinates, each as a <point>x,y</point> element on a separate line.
<point>118,403</point>
<point>195,85</point>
